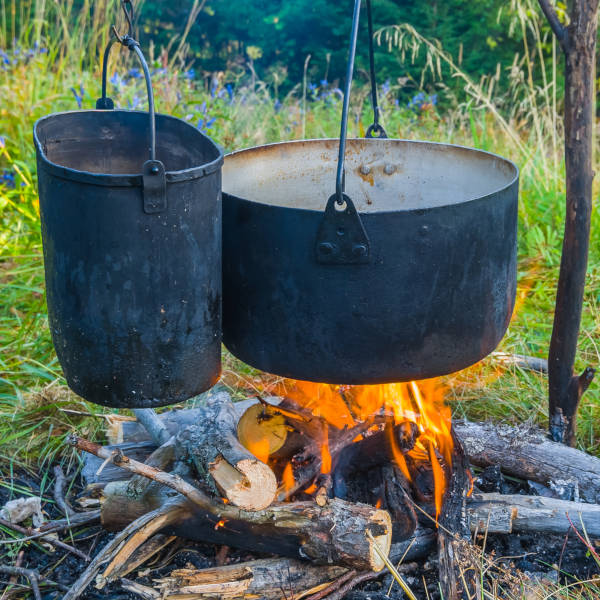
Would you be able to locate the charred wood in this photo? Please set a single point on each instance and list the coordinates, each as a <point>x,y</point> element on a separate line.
<point>335,533</point>
<point>528,454</point>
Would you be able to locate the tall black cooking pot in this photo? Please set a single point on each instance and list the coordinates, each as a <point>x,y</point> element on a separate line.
<point>426,287</point>
<point>132,253</point>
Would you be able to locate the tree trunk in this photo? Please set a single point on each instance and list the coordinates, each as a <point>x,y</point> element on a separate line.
<point>578,42</point>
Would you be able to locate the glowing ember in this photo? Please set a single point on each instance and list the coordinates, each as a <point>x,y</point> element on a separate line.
<point>220,524</point>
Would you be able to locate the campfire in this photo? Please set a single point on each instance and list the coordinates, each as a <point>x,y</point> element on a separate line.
<point>336,475</point>
<point>320,433</point>
<point>335,483</point>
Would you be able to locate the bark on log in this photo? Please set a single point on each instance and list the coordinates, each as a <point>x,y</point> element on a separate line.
<point>333,534</point>
<point>212,445</point>
<point>528,454</point>
<point>497,513</point>
<point>267,579</point>
<point>578,42</point>
<point>453,530</point>
<point>272,579</point>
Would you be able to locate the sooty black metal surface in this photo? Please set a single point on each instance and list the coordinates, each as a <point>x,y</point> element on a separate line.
<point>134,295</point>
<point>436,295</point>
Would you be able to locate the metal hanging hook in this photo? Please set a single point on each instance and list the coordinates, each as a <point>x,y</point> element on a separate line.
<point>340,175</point>
<point>375,129</point>
<point>133,45</point>
<point>130,17</point>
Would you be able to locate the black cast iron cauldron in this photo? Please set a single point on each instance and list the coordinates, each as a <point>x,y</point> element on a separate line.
<point>432,284</point>
<point>132,252</point>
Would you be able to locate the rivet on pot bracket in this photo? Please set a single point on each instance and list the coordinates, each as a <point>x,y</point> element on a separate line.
<point>342,239</point>
<point>154,187</point>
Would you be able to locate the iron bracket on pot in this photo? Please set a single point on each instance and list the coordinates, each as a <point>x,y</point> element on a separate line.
<point>342,239</point>
<point>154,186</point>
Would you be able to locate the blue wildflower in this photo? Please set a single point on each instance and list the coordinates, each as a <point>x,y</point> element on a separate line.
<point>2,142</point>
<point>134,73</point>
<point>277,105</point>
<point>312,87</point>
<point>229,89</point>
<point>116,80</point>
<point>190,74</point>
<point>78,96</point>
<point>385,88</point>
<point>205,123</point>
<point>5,58</point>
<point>8,179</point>
<point>324,83</point>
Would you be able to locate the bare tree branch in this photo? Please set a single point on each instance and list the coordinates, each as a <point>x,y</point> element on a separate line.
<point>560,31</point>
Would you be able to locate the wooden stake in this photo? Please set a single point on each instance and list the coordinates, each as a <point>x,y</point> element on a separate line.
<point>578,42</point>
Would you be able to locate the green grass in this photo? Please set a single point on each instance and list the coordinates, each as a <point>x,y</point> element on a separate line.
<point>528,132</point>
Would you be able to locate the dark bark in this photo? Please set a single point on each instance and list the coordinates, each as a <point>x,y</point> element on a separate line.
<point>578,42</point>
<point>454,530</point>
<point>333,534</point>
<point>528,454</point>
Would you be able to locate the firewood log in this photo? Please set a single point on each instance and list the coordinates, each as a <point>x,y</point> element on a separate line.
<point>333,534</point>
<point>527,453</point>
<point>272,578</point>
<point>497,513</point>
<point>267,579</point>
<point>212,445</point>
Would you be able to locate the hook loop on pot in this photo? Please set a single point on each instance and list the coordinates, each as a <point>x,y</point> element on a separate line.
<point>342,239</point>
<point>154,177</point>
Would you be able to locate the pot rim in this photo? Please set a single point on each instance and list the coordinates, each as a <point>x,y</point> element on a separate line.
<point>368,214</point>
<point>122,179</point>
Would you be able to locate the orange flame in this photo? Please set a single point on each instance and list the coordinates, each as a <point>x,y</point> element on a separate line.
<point>325,455</point>
<point>288,477</point>
<point>421,403</point>
<point>260,448</point>
<point>220,524</point>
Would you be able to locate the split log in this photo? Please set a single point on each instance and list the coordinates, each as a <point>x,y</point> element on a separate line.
<point>267,579</point>
<point>213,447</point>
<point>273,578</point>
<point>333,534</point>
<point>528,454</point>
<point>497,513</point>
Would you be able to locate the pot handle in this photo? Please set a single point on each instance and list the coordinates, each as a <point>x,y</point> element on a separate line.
<point>153,171</point>
<point>342,239</point>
